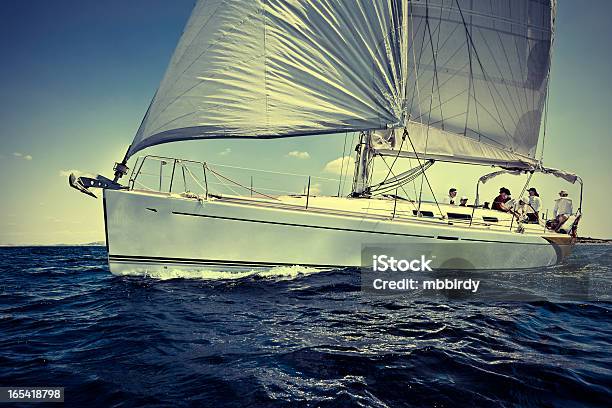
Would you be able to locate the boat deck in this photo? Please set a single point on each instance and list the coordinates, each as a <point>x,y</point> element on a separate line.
<point>386,208</point>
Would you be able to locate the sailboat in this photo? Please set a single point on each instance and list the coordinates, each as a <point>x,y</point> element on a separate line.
<point>459,81</point>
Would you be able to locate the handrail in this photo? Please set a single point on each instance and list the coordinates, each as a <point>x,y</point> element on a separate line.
<point>272,172</point>
<point>137,171</point>
<point>207,167</point>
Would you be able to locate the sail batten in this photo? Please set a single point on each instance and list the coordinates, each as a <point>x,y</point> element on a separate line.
<point>286,68</point>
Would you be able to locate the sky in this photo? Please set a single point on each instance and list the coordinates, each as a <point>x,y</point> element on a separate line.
<point>76,78</point>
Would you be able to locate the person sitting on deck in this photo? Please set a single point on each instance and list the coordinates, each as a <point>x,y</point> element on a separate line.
<point>451,197</point>
<point>533,209</point>
<point>499,203</point>
<point>562,211</point>
<point>522,209</point>
<point>463,201</point>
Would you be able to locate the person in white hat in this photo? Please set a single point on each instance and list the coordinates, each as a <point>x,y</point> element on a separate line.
<point>463,201</point>
<point>563,209</point>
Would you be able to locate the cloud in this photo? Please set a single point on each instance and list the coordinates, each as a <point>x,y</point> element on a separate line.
<point>22,156</point>
<point>338,165</point>
<point>299,155</point>
<point>225,152</point>
<point>78,173</point>
<point>315,189</point>
<point>66,173</point>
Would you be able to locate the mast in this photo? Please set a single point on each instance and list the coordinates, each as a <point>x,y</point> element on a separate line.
<point>365,154</point>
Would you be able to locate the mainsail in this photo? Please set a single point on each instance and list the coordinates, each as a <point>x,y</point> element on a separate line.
<point>477,80</point>
<point>474,70</point>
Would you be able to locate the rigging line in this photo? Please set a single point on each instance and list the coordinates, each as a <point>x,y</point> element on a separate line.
<point>265,49</point>
<point>346,170</point>
<point>342,162</point>
<point>371,175</point>
<point>499,119</point>
<point>230,31</point>
<point>473,90</point>
<point>238,184</point>
<point>222,105</point>
<point>546,96</point>
<point>456,73</point>
<point>470,83</point>
<point>416,64</point>
<point>480,134</point>
<point>401,179</point>
<point>435,122</point>
<point>424,175</point>
<point>494,17</point>
<point>503,82</point>
<point>525,186</point>
<point>545,117</point>
<point>516,46</point>
<point>402,187</point>
<point>416,77</point>
<point>433,53</point>
<point>435,32</point>
<point>188,47</point>
<point>396,156</point>
<point>482,69</point>
<point>221,182</point>
<point>492,117</point>
<point>450,35</point>
<point>193,177</point>
<point>510,69</point>
<point>271,172</point>
<point>414,179</point>
<point>452,75</point>
<point>435,65</point>
<point>448,99</point>
<point>514,206</point>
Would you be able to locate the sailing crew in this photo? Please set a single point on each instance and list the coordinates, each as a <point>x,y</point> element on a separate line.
<point>535,204</point>
<point>522,209</point>
<point>499,203</point>
<point>563,209</point>
<point>463,201</point>
<point>451,198</point>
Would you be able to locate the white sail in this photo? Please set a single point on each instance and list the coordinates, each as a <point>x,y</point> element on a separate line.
<point>275,68</point>
<point>428,142</point>
<point>281,68</point>
<point>480,69</point>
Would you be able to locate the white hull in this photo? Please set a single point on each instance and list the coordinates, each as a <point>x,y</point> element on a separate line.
<point>158,234</point>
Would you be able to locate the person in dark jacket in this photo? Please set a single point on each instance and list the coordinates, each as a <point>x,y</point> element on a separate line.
<point>499,203</point>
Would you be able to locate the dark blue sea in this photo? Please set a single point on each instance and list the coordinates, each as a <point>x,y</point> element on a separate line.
<point>286,339</point>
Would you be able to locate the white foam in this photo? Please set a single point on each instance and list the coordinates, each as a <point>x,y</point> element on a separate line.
<point>275,273</point>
